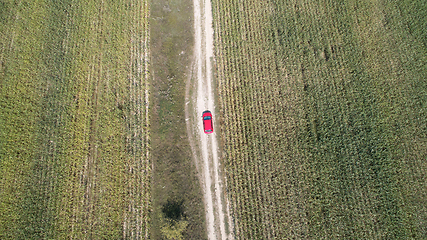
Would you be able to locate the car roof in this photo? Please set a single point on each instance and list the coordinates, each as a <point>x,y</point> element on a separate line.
<point>208,124</point>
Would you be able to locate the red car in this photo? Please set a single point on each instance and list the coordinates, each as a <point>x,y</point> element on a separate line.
<point>207,122</point>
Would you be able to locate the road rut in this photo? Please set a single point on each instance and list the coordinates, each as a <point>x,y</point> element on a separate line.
<point>205,146</point>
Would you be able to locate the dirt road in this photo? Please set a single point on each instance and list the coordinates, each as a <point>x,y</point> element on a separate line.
<point>205,146</point>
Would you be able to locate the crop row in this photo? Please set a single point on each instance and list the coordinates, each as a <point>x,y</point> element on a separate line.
<point>137,220</point>
<point>249,93</point>
<point>79,72</point>
<point>307,153</point>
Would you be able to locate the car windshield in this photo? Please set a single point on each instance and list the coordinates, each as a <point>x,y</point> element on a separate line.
<point>207,118</point>
<point>208,130</point>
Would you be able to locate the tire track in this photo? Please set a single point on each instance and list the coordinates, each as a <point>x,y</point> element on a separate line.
<point>217,212</point>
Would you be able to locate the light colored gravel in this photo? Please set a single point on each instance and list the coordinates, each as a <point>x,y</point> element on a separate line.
<point>217,210</point>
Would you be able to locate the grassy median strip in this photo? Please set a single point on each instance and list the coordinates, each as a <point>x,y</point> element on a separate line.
<point>323,110</point>
<point>178,210</point>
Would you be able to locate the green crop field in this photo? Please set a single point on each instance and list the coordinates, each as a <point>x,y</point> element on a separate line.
<point>74,123</point>
<point>323,117</point>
